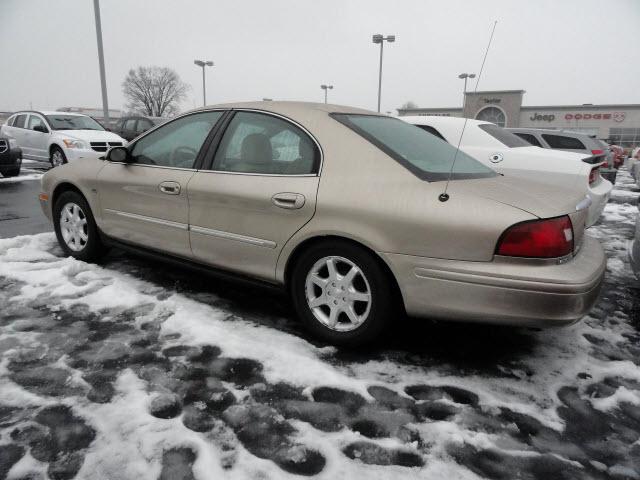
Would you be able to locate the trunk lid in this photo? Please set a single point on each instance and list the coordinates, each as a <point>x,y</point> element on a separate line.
<point>536,198</point>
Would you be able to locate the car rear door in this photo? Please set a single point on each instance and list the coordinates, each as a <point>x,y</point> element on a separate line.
<point>145,202</point>
<point>18,131</point>
<point>257,189</point>
<point>37,143</point>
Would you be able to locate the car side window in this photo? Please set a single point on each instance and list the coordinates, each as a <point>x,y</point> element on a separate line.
<point>10,121</point>
<point>143,125</point>
<point>130,124</point>
<point>263,144</point>
<point>20,121</point>
<point>527,137</point>
<point>34,121</point>
<point>177,143</point>
<point>560,141</point>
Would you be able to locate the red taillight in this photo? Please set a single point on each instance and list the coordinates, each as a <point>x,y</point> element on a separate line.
<point>548,238</point>
<point>597,152</point>
<point>593,175</point>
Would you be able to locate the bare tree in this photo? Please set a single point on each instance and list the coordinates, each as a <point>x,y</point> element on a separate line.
<point>408,105</point>
<point>154,91</point>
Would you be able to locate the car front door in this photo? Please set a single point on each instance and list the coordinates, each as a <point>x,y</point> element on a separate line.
<point>258,190</point>
<point>129,129</point>
<point>37,142</point>
<point>145,202</point>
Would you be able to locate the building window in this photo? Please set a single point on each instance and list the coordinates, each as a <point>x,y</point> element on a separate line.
<point>625,137</point>
<point>493,115</point>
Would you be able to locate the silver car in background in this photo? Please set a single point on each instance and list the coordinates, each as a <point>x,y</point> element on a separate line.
<point>567,140</point>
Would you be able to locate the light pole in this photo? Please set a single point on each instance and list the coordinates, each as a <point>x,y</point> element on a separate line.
<point>378,38</point>
<point>465,76</point>
<point>103,81</point>
<point>325,88</point>
<point>202,63</point>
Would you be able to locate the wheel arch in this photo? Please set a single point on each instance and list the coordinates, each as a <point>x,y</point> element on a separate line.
<point>66,186</point>
<point>307,243</point>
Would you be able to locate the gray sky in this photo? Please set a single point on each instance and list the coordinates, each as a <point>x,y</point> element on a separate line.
<point>560,52</point>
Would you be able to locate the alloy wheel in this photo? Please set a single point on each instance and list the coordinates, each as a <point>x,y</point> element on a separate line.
<point>338,293</point>
<point>73,226</point>
<point>56,158</point>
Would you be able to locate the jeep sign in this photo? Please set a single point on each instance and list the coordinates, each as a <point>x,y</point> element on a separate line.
<point>536,117</point>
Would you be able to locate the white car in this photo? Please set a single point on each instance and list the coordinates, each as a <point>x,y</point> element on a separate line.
<point>59,137</point>
<point>510,155</point>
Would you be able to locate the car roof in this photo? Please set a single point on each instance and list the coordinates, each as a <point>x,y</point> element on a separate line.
<point>550,130</point>
<point>290,107</point>
<point>438,120</point>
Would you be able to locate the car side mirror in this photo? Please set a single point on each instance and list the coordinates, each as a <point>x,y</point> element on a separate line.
<point>118,154</point>
<point>41,129</point>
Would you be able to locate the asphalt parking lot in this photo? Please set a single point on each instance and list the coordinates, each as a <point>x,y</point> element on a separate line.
<point>200,378</point>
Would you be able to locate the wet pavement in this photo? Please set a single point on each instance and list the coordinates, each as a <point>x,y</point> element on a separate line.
<point>19,206</point>
<point>135,369</point>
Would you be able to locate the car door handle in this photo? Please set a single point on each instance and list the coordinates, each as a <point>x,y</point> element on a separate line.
<point>170,188</point>
<point>292,201</point>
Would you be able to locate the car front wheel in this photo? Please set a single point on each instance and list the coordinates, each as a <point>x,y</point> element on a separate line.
<point>342,293</point>
<point>57,157</point>
<point>75,227</point>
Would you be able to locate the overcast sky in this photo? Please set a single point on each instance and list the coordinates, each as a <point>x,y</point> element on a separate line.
<point>560,52</point>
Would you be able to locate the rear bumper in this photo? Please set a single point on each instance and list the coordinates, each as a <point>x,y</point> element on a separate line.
<point>599,196</point>
<point>504,291</point>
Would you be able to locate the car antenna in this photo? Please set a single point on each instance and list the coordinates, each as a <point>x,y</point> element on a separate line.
<point>444,196</point>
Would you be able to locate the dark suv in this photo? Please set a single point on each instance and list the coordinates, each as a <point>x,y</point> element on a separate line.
<point>130,127</point>
<point>10,157</point>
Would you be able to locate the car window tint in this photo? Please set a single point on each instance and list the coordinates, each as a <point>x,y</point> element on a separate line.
<point>34,120</point>
<point>143,125</point>
<point>176,144</point>
<point>130,124</point>
<point>20,121</point>
<point>432,131</point>
<point>11,120</point>
<point>258,143</point>
<point>503,136</point>
<point>560,141</point>
<point>422,153</point>
<point>531,139</point>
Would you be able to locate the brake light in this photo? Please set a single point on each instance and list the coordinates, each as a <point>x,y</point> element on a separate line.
<point>547,238</point>
<point>593,175</point>
<point>597,152</point>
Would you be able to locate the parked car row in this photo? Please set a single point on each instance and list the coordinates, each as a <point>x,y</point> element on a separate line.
<point>357,215</point>
<point>61,137</point>
<point>507,152</point>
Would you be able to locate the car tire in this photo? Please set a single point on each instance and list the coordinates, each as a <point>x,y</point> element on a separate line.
<point>315,295</point>
<point>76,228</point>
<point>57,157</point>
<point>14,172</point>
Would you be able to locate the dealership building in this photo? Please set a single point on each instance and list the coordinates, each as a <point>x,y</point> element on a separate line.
<point>617,123</point>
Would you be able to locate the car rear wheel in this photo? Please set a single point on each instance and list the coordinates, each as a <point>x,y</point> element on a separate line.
<point>75,227</point>
<point>342,293</point>
<point>57,157</point>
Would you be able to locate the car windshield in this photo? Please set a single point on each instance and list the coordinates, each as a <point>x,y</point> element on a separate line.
<point>73,122</point>
<point>505,137</point>
<point>424,154</point>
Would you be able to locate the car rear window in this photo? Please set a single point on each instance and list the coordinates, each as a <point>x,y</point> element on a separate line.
<point>503,136</point>
<point>562,142</point>
<point>422,153</point>
<point>531,139</point>
<point>20,121</point>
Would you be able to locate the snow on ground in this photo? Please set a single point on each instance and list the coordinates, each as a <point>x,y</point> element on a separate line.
<point>25,175</point>
<point>132,369</point>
